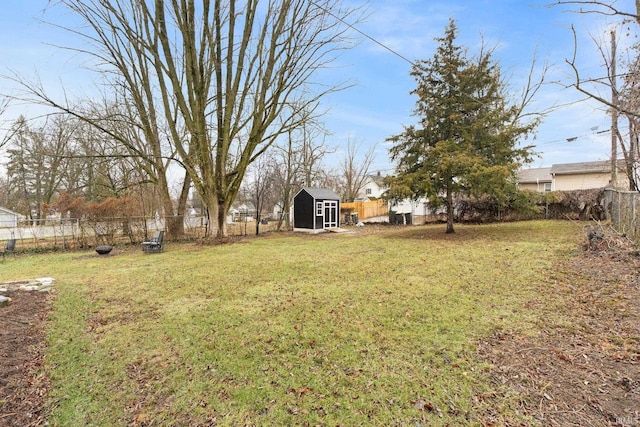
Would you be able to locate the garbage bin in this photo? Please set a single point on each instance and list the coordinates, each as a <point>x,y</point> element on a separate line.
<point>399,219</point>
<point>407,219</point>
<point>354,218</point>
<point>347,218</point>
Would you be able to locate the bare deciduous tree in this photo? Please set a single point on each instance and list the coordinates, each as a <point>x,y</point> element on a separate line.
<point>355,168</point>
<point>37,163</point>
<point>233,74</point>
<point>10,132</point>
<point>621,101</point>
<point>299,155</point>
<point>601,7</point>
<point>262,185</point>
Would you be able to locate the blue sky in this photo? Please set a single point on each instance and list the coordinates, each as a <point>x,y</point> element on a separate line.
<point>380,104</point>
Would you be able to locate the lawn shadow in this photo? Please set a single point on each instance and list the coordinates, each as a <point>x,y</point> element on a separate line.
<point>463,232</point>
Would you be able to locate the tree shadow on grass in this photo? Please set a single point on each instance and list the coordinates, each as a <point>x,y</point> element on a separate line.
<point>465,233</point>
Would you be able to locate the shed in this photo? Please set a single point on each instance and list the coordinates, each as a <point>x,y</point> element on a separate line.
<point>315,210</point>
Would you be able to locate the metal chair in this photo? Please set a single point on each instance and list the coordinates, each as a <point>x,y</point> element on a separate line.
<point>154,245</point>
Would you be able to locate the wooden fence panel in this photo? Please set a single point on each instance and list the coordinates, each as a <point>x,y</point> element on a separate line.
<point>365,210</point>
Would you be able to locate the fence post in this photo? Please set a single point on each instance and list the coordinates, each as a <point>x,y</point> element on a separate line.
<point>619,225</point>
<point>632,223</point>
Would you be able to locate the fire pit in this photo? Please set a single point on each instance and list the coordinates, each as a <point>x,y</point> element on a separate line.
<point>104,249</point>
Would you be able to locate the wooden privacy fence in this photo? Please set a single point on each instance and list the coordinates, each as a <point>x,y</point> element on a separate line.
<point>365,210</point>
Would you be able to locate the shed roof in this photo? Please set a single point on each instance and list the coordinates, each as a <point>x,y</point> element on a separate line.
<point>534,175</point>
<point>321,193</point>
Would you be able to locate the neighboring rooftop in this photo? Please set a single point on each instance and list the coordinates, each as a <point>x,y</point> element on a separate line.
<point>536,175</point>
<point>583,167</point>
<point>545,174</point>
<point>377,178</point>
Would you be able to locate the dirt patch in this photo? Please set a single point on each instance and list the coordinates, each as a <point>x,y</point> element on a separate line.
<point>22,383</point>
<point>585,372</point>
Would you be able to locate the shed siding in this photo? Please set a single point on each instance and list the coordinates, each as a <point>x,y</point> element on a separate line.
<point>311,207</point>
<point>318,219</point>
<point>303,214</point>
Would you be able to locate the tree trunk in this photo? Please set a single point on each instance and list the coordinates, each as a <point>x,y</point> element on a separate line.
<point>174,225</point>
<point>220,213</point>
<point>284,215</point>
<point>176,230</point>
<point>210,209</point>
<point>449,210</point>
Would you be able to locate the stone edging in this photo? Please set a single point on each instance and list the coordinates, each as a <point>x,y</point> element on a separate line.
<point>43,284</point>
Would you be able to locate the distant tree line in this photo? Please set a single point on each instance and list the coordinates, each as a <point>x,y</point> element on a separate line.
<point>197,96</point>
<point>63,165</point>
<point>221,100</point>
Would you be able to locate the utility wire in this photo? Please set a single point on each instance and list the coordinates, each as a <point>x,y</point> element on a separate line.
<point>354,28</point>
<point>573,138</point>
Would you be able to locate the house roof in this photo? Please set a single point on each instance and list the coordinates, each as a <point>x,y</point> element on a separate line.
<point>583,167</point>
<point>377,179</point>
<point>7,211</point>
<point>321,193</point>
<point>538,175</point>
<point>535,175</point>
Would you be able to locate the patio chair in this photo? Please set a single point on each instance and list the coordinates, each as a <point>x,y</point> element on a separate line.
<point>154,244</point>
<point>10,248</point>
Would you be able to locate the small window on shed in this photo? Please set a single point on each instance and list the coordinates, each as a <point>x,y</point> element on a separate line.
<point>319,210</point>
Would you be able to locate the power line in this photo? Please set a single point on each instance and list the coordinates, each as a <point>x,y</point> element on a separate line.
<point>354,28</point>
<point>573,138</point>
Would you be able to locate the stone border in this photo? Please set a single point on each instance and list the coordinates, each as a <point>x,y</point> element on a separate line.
<point>42,284</point>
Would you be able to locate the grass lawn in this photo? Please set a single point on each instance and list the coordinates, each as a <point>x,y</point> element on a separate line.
<point>365,328</point>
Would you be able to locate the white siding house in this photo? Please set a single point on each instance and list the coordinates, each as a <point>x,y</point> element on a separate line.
<point>373,187</point>
<point>8,219</point>
<point>571,176</point>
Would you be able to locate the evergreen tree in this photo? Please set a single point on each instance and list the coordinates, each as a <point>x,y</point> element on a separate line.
<point>467,137</point>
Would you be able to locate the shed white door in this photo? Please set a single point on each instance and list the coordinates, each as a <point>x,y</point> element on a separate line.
<point>330,213</point>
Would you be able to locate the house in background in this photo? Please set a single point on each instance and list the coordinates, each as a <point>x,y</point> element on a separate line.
<point>315,210</point>
<point>8,218</point>
<point>404,212</point>
<point>537,179</point>
<point>571,176</point>
<point>373,187</point>
<point>241,212</point>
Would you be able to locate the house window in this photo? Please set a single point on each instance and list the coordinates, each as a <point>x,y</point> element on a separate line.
<point>319,210</point>
<point>547,187</point>
<point>368,191</point>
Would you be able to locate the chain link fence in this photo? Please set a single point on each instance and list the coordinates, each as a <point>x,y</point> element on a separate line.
<point>74,233</point>
<point>624,210</point>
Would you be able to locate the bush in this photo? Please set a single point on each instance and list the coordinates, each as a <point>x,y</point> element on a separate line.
<point>523,204</point>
